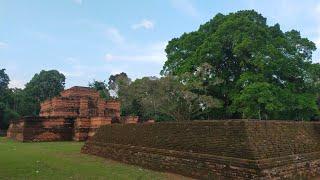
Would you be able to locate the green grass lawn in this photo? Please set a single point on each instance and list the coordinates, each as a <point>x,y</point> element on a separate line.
<point>63,160</point>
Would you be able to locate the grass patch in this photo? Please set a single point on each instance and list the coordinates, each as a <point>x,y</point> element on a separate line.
<point>62,160</point>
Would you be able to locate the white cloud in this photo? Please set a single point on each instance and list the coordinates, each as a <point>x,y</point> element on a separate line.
<point>185,6</point>
<point>15,83</point>
<point>81,74</point>
<point>114,35</point>
<point>76,68</point>
<point>79,2</point>
<point>3,45</point>
<point>153,53</point>
<point>146,24</point>
<point>73,73</point>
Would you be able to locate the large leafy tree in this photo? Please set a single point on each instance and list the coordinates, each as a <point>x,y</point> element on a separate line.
<point>249,55</point>
<point>43,86</point>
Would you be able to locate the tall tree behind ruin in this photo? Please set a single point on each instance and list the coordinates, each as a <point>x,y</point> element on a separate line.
<point>249,56</point>
<point>43,86</point>
<point>118,83</point>
<point>102,88</point>
<point>164,99</point>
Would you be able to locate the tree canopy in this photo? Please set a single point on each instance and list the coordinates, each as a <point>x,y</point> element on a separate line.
<point>6,113</point>
<point>117,83</point>
<point>102,88</point>
<point>43,86</point>
<point>250,57</point>
<point>164,99</point>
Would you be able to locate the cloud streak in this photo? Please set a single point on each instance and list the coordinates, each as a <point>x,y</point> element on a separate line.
<point>145,24</point>
<point>153,53</point>
<point>114,35</point>
<point>3,45</point>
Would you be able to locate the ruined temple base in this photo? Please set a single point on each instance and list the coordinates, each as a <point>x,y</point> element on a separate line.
<point>39,129</point>
<point>208,166</point>
<point>215,150</point>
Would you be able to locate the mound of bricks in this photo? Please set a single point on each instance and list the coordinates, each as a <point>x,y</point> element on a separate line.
<point>235,149</point>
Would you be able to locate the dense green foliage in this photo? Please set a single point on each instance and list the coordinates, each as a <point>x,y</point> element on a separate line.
<point>118,84</point>
<point>6,113</point>
<point>45,85</point>
<point>266,73</point>
<point>162,99</point>
<point>102,88</point>
<point>62,160</point>
<point>24,102</point>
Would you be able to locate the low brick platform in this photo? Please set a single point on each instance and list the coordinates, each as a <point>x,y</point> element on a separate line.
<point>216,149</point>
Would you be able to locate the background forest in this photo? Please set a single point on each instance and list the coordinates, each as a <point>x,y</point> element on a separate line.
<point>234,66</point>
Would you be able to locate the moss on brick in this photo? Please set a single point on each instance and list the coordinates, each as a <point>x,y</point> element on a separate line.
<point>230,149</point>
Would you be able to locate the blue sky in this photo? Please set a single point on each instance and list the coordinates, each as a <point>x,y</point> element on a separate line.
<point>91,39</point>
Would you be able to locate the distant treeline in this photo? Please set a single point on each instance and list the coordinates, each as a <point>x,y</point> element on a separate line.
<point>233,66</point>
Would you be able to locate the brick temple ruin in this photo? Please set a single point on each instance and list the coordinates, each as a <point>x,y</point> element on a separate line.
<point>74,115</point>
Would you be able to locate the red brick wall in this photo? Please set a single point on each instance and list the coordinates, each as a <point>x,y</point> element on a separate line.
<point>60,107</point>
<point>85,128</point>
<point>41,129</point>
<point>55,128</point>
<point>15,130</point>
<point>216,149</point>
<point>80,102</point>
<point>80,92</point>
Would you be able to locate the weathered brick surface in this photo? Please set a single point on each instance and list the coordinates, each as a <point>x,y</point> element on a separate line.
<point>41,129</point>
<point>79,91</point>
<point>80,101</point>
<point>129,120</point>
<point>15,130</point>
<point>216,149</point>
<point>75,115</point>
